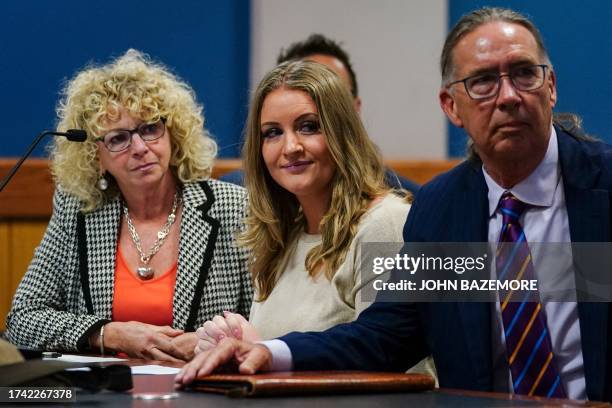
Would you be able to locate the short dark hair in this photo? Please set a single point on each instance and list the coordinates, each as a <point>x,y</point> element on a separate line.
<point>319,44</point>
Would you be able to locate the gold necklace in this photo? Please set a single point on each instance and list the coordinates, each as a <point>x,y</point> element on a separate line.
<point>145,272</point>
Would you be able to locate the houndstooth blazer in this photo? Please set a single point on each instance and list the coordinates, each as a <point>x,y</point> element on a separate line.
<point>67,292</point>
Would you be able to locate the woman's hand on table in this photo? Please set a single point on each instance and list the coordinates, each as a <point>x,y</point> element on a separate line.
<point>140,340</point>
<point>230,325</point>
<point>183,346</point>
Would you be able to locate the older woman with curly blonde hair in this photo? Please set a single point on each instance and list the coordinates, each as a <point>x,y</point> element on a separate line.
<point>316,194</point>
<point>139,250</point>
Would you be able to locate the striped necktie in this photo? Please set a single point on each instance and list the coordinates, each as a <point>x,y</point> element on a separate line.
<point>528,345</point>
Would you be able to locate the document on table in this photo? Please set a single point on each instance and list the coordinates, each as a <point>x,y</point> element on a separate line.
<point>143,369</point>
<point>154,369</point>
<point>72,358</point>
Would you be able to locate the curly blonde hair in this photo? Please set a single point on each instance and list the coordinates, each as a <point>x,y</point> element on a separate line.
<point>149,91</point>
<point>275,219</point>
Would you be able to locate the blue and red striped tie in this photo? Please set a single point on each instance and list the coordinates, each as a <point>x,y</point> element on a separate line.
<point>528,345</point>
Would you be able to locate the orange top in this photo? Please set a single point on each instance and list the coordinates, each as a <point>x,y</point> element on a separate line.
<point>143,301</point>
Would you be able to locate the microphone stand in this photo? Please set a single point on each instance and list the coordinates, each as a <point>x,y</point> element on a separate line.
<point>74,135</point>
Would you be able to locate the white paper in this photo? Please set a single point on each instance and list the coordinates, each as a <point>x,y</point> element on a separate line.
<point>154,369</point>
<point>84,359</point>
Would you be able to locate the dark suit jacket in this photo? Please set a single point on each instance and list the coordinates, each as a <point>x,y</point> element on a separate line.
<point>454,208</point>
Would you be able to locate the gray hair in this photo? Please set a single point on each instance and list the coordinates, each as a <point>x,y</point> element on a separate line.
<point>471,21</point>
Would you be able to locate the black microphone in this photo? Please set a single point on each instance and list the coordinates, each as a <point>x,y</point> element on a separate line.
<point>74,135</point>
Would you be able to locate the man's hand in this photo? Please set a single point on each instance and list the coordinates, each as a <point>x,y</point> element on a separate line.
<point>249,357</point>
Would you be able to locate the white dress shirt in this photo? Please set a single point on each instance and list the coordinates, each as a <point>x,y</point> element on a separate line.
<point>545,220</point>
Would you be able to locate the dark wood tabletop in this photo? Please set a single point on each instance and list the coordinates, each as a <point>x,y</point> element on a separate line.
<point>159,391</point>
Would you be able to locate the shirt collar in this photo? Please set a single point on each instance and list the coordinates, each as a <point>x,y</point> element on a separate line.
<point>538,189</point>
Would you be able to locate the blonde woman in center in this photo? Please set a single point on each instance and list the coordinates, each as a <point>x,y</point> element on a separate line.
<point>316,193</point>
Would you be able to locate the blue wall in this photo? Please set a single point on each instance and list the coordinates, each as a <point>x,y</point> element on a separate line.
<point>44,43</point>
<point>207,43</point>
<point>579,42</point>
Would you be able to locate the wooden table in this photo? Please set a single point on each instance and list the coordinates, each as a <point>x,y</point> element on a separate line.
<point>163,386</point>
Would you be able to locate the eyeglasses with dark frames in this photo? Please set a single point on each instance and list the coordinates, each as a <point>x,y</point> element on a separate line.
<point>523,78</point>
<point>120,139</point>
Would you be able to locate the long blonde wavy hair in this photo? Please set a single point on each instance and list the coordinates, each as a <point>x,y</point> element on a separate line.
<point>149,91</point>
<point>275,219</point>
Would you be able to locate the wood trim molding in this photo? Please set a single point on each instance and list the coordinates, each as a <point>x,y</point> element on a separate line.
<point>30,192</point>
<point>421,171</point>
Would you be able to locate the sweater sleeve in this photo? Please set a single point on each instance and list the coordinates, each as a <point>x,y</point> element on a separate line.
<point>382,230</point>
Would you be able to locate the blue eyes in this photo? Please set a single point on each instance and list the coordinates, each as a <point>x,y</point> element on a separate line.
<point>272,132</point>
<point>307,127</point>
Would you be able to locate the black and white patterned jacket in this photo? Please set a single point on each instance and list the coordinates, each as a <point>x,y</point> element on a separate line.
<point>67,292</point>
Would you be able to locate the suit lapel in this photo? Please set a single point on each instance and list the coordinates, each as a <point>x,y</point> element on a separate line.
<point>472,214</point>
<point>102,229</point>
<point>588,210</point>
<point>197,243</point>
<point>198,233</point>
<point>472,209</point>
<point>588,215</point>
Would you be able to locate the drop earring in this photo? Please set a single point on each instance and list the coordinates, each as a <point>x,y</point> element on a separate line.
<point>102,182</point>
